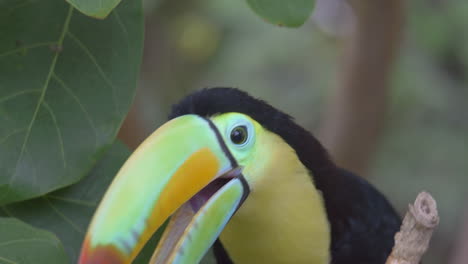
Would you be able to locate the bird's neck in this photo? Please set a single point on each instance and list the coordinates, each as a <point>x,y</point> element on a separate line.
<point>283,220</point>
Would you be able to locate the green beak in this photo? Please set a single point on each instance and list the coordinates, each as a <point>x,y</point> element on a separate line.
<point>183,169</point>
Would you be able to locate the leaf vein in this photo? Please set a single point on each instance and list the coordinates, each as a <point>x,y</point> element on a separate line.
<point>41,98</point>
<point>7,212</point>
<point>33,168</point>
<point>77,100</point>
<point>64,217</point>
<point>59,132</point>
<point>25,240</point>
<point>14,132</point>
<point>98,67</point>
<point>73,201</point>
<point>19,49</point>
<point>8,261</point>
<point>23,92</point>
<point>122,26</point>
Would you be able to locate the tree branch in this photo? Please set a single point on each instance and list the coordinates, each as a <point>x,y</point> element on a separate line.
<point>412,241</point>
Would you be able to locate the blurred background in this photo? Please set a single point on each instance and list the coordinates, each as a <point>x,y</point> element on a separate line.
<point>383,85</point>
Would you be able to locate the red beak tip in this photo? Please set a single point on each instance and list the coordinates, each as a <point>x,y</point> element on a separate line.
<point>107,254</point>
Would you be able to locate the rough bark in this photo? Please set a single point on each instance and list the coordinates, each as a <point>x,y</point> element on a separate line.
<point>412,241</point>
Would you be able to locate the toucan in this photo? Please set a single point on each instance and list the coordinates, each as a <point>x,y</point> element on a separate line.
<point>233,173</point>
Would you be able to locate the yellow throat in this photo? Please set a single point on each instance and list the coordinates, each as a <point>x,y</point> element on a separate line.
<point>284,219</point>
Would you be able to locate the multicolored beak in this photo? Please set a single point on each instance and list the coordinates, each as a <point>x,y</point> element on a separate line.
<point>183,169</point>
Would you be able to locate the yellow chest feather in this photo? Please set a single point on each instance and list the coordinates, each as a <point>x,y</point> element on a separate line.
<point>283,220</point>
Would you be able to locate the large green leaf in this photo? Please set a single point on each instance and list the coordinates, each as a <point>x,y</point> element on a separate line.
<point>24,244</point>
<point>66,83</point>
<point>290,13</point>
<point>67,212</point>
<point>95,8</point>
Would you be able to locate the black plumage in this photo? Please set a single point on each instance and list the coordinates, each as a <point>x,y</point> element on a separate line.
<point>363,222</point>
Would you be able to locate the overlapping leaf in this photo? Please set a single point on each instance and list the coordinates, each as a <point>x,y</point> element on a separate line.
<point>291,13</point>
<point>66,83</point>
<point>95,8</point>
<point>22,243</point>
<point>67,212</point>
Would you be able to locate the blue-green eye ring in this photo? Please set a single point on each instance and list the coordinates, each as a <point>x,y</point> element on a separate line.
<point>241,133</point>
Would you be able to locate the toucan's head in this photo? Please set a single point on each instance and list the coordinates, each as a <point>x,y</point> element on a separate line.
<point>199,167</point>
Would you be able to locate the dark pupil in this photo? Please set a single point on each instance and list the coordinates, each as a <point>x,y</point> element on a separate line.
<point>239,135</point>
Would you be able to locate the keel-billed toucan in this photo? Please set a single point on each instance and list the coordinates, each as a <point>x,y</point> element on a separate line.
<point>234,171</point>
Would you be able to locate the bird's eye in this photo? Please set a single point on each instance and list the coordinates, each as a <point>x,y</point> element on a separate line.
<point>239,135</point>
